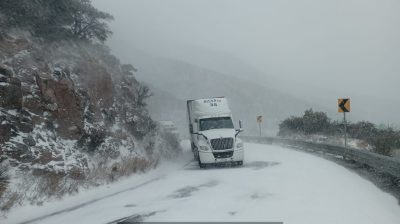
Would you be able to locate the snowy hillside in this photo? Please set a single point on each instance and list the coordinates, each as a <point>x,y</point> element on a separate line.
<point>186,81</point>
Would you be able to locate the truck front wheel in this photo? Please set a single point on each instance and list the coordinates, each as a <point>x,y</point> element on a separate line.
<point>202,165</point>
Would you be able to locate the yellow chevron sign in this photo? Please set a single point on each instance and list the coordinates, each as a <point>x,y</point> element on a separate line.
<point>344,105</point>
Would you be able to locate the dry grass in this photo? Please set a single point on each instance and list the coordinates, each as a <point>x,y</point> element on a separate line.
<point>43,185</point>
<point>129,165</point>
<point>52,184</point>
<point>125,167</point>
<point>363,144</point>
<point>10,201</point>
<point>3,188</point>
<point>3,180</point>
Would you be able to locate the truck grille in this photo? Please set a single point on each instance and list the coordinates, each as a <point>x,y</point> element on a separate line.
<point>218,155</point>
<point>222,143</point>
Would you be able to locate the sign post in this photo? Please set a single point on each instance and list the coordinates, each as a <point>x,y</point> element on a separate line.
<point>344,107</point>
<point>259,120</point>
<point>345,129</point>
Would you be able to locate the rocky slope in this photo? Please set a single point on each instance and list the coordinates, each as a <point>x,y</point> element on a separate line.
<point>68,109</point>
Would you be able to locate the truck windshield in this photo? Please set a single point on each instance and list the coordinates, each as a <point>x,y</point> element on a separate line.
<point>215,123</point>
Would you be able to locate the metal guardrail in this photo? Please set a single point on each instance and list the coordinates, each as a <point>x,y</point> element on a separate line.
<point>381,163</point>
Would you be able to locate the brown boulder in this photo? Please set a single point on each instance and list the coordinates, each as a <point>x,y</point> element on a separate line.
<point>3,78</point>
<point>29,141</point>
<point>19,152</point>
<point>33,104</point>
<point>6,71</point>
<point>64,103</point>
<point>10,89</point>
<point>5,132</point>
<point>10,96</point>
<point>99,84</point>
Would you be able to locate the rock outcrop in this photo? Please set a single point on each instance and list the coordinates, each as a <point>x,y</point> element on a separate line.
<point>10,89</point>
<point>66,106</point>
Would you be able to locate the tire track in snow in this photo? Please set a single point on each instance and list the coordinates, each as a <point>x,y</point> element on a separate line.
<point>91,201</point>
<point>97,199</point>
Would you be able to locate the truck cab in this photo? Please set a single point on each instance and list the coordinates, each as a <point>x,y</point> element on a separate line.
<point>212,134</point>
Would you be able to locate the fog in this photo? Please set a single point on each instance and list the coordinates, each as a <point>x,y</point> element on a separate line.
<point>311,49</point>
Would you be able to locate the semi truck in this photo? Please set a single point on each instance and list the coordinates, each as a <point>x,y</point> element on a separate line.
<point>214,140</point>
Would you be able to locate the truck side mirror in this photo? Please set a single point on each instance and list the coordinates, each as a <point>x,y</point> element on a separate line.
<point>240,129</point>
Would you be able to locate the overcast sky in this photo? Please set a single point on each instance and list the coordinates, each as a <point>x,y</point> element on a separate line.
<point>346,47</point>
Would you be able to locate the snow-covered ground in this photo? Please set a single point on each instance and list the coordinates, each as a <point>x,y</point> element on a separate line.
<point>275,184</point>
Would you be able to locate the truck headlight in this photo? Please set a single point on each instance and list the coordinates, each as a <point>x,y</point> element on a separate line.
<point>239,145</point>
<point>203,148</point>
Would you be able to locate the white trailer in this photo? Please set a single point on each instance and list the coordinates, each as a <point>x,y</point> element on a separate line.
<point>212,133</point>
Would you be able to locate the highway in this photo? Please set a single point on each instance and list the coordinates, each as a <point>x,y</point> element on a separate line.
<point>275,184</point>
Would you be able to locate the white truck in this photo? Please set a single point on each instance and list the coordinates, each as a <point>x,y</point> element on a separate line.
<point>212,134</point>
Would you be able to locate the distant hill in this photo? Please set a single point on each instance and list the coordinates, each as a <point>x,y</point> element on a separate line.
<point>173,82</point>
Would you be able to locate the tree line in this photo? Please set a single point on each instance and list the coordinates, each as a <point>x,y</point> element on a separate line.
<point>56,19</point>
<point>383,140</point>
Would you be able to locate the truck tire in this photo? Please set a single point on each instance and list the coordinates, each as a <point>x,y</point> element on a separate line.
<point>202,165</point>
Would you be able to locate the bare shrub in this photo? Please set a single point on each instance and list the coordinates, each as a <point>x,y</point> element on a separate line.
<point>9,201</point>
<point>3,179</point>
<point>42,185</point>
<point>97,173</point>
<point>132,164</point>
<point>125,167</point>
<point>50,184</point>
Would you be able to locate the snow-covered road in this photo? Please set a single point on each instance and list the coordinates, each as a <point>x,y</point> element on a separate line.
<point>275,184</point>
